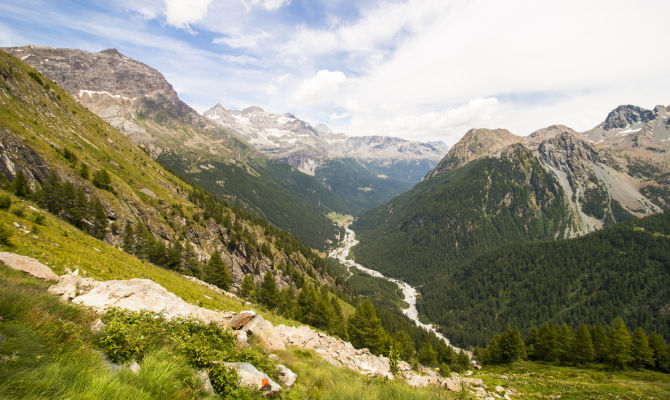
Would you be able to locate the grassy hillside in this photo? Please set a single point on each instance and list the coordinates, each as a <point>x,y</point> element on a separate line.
<point>455,216</point>
<point>619,271</point>
<point>45,133</point>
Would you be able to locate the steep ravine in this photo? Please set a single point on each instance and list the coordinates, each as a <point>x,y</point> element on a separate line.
<point>409,293</point>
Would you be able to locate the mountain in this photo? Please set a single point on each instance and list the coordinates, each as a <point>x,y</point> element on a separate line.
<point>82,169</point>
<point>364,171</point>
<point>139,101</point>
<point>494,190</point>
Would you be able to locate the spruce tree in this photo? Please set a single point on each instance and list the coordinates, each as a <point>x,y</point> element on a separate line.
<point>427,355</point>
<point>546,345</point>
<point>406,345</point>
<point>619,344</point>
<point>247,289</point>
<point>643,355</point>
<point>565,338</point>
<point>128,238</point>
<point>287,302</point>
<point>269,293</point>
<point>216,272</point>
<point>510,346</point>
<point>99,218</point>
<point>582,350</point>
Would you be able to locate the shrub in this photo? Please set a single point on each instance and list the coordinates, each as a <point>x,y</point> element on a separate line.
<point>5,236</point>
<point>224,380</point>
<point>19,212</point>
<point>5,202</point>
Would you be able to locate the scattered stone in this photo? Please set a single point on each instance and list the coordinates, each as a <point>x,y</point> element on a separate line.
<point>264,332</point>
<point>28,265</point>
<point>273,357</point>
<point>242,319</point>
<point>97,326</point>
<point>203,376</point>
<point>286,376</point>
<point>499,389</point>
<point>473,382</point>
<point>134,368</point>
<point>506,397</point>
<point>252,378</point>
<point>468,373</point>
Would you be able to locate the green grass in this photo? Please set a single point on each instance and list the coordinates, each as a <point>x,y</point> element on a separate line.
<point>60,245</point>
<point>317,379</point>
<point>539,381</point>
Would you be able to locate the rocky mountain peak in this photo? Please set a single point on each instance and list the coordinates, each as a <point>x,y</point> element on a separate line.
<point>626,115</point>
<point>550,132</point>
<point>477,143</point>
<point>252,110</point>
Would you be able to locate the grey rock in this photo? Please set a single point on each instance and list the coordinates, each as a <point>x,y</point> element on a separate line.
<point>261,329</point>
<point>203,377</point>
<point>134,367</point>
<point>97,326</point>
<point>241,319</point>
<point>252,378</point>
<point>286,377</point>
<point>28,265</point>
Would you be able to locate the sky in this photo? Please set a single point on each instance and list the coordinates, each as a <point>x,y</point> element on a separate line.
<point>417,69</point>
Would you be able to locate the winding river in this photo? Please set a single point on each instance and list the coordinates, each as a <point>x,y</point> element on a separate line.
<point>408,292</point>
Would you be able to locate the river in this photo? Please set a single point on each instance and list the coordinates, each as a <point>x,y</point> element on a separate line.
<point>341,253</point>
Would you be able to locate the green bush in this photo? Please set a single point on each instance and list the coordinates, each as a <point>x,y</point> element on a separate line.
<point>5,236</point>
<point>5,202</point>
<point>224,380</point>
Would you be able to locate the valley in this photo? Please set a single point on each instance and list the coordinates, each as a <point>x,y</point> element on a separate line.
<point>409,293</point>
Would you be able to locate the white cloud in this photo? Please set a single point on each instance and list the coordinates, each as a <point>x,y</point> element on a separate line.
<point>320,87</point>
<point>336,116</point>
<point>241,41</point>
<point>181,13</point>
<point>269,5</point>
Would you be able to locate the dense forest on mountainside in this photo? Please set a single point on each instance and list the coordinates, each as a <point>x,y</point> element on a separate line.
<point>449,219</point>
<point>623,270</point>
<point>365,185</point>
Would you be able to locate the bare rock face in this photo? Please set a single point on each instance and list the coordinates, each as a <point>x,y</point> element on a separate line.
<point>133,295</point>
<point>252,378</point>
<point>626,115</point>
<point>28,265</point>
<point>264,332</point>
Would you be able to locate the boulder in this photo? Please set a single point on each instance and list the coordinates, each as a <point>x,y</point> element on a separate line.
<point>28,265</point>
<point>97,326</point>
<point>241,319</point>
<point>134,368</point>
<point>499,389</point>
<point>286,376</point>
<point>453,383</point>
<point>263,330</point>
<point>252,378</point>
<point>203,377</point>
<point>241,338</point>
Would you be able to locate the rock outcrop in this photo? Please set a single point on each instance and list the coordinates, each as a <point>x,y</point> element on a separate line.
<point>252,378</point>
<point>28,265</point>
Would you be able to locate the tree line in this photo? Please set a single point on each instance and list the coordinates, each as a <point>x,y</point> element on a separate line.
<point>561,344</point>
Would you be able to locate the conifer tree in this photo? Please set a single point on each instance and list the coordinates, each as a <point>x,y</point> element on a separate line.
<point>427,355</point>
<point>247,289</point>
<point>661,352</point>
<point>545,345</point>
<point>406,346</point>
<point>216,272</point>
<point>365,329</point>
<point>619,344</point>
<point>287,302</point>
<point>339,326</point>
<point>269,293</point>
<point>20,186</point>
<point>600,346</point>
<point>102,180</point>
<point>174,255</point>
<point>582,350</point>
<point>509,346</point>
<point>565,339</point>
<point>128,238</point>
<point>643,354</point>
<point>99,218</point>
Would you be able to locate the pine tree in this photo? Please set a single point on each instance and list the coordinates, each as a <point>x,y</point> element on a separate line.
<point>582,350</point>
<point>406,344</point>
<point>20,186</point>
<point>661,352</point>
<point>99,218</point>
<point>643,355</point>
<point>216,272</point>
<point>339,326</point>
<point>174,255</point>
<point>365,329</point>
<point>287,302</point>
<point>509,347</point>
<point>247,289</point>
<point>102,180</point>
<point>565,338</point>
<point>600,346</point>
<point>546,345</point>
<point>84,171</point>
<point>619,344</point>
<point>269,293</point>
<point>128,238</point>
<point>427,355</point>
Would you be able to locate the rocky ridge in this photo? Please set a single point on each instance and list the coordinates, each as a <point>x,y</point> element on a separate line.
<point>305,147</point>
<point>144,294</point>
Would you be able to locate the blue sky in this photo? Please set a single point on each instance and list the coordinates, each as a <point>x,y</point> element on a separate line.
<point>419,69</point>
